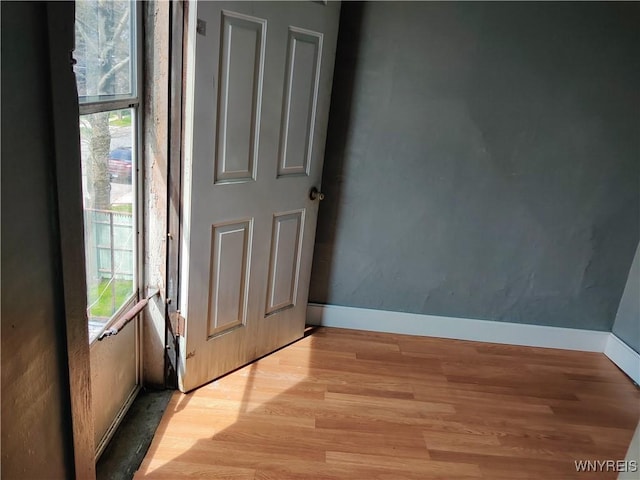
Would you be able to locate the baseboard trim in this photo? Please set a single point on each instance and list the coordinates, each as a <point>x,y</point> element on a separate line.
<point>456,328</point>
<point>625,357</point>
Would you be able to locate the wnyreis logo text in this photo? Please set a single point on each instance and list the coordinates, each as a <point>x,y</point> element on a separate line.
<point>606,465</point>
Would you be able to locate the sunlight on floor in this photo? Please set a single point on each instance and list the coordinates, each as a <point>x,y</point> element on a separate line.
<point>346,404</point>
<point>242,396</point>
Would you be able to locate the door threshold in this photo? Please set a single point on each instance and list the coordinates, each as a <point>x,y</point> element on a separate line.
<point>124,453</point>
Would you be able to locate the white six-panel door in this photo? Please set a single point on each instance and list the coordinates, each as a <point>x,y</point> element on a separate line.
<point>259,80</point>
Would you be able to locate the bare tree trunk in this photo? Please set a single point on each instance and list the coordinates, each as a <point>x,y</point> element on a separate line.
<point>99,147</point>
<point>100,30</point>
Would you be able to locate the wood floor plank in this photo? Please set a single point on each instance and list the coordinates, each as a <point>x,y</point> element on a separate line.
<point>177,470</point>
<point>344,404</point>
<point>403,464</point>
<point>389,390</point>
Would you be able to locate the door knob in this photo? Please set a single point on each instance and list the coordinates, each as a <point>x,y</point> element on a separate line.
<point>316,194</point>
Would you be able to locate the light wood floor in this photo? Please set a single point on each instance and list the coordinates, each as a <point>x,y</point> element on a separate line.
<point>342,404</point>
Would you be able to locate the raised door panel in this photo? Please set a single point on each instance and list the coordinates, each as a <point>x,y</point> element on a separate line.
<point>241,71</point>
<point>284,264</point>
<point>300,99</point>
<point>229,272</point>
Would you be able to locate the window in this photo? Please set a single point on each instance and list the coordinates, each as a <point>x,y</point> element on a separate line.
<point>107,76</point>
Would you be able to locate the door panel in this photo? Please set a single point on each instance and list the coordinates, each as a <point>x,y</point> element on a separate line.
<point>300,98</point>
<point>115,380</point>
<point>229,276</point>
<point>257,103</point>
<point>284,265</point>
<point>242,63</point>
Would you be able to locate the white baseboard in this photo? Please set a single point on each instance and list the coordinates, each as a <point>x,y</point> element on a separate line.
<point>625,357</point>
<point>456,328</point>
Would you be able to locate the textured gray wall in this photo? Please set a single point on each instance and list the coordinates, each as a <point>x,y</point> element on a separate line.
<point>483,161</point>
<point>627,324</point>
<point>36,417</point>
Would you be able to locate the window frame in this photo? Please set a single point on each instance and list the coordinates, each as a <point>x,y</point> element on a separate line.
<point>134,101</point>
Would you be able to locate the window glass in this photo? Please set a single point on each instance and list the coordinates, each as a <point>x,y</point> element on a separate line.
<point>105,69</point>
<point>108,172</point>
<point>105,59</point>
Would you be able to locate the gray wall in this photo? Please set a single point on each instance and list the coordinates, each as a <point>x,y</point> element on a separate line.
<point>483,161</point>
<point>36,419</point>
<point>627,324</point>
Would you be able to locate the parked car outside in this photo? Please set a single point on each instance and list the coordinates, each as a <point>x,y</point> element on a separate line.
<point>120,165</point>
